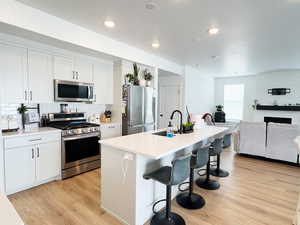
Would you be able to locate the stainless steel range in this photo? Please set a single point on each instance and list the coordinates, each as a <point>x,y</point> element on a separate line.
<point>80,146</point>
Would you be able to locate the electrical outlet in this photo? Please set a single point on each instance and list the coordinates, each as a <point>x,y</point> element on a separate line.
<point>128,156</point>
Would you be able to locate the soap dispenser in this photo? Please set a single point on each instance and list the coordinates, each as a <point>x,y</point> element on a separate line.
<point>170,132</point>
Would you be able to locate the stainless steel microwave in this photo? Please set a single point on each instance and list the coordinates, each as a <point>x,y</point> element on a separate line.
<point>69,91</point>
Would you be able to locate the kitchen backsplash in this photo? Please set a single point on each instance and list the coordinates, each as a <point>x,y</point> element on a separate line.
<point>10,118</point>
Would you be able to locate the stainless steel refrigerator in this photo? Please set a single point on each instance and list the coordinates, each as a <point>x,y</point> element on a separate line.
<point>139,113</point>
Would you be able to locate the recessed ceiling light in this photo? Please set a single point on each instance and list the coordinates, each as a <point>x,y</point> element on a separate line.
<point>155,44</point>
<point>213,30</point>
<point>109,23</point>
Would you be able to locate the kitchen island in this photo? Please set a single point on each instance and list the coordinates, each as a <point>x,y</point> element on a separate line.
<point>124,161</point>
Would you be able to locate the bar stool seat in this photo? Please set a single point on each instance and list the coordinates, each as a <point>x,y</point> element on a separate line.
<point>207,183</point>
<point>189,199</point>
<point>218,172</point>
<point>169,176</point>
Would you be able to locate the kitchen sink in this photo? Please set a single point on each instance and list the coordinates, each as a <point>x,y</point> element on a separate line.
<point>162,133</point>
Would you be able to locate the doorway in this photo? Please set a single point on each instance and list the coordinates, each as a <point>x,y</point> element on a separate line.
<point>170,96</point>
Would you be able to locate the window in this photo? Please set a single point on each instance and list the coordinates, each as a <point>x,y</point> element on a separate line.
<point>234,101</point>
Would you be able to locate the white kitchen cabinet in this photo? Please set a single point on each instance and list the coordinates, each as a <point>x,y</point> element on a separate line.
<point>48,160</point>
<point>83,69</point>
<point>110,130</point>
<point>103,81</point>
<point>13,74</point>
<point>40,78</point>
<point>19,168</point>
<point>63,68</point>
<point>31,160</point>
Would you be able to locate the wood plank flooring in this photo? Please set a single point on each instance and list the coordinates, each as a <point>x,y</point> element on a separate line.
<point>256,193</point>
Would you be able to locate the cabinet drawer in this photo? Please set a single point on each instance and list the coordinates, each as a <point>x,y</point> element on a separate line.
<point>30,140</point>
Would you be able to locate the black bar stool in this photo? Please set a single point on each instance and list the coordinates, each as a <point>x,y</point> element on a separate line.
<point>218,172</point>
<point>169,176</point>
<point>207,183</point>
<point>190,200</point>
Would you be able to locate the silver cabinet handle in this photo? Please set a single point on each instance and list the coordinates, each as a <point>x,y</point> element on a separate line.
<point>25,95</point>
<point>38,152</point>
<point>30,95</point>
<point>32,153</point>
<point>73,74</point>
<point>77,75</point>
<point>38,139</point>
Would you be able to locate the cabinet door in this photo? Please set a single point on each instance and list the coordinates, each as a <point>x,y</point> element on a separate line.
<point>40,80</point>
<point>63,68</point>
<point>19,168</point>
<point>103,81</point>
<point>48,160</point>
<point>13,75</point>
<point>84,70</point>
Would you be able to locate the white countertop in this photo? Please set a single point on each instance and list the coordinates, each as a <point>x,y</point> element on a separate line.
<point>8,214</point>
<point>156,147</point>
<point>30,132</point>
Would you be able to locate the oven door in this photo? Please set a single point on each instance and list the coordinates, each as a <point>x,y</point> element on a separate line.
<point>80,149</point>
<point>70,91</point>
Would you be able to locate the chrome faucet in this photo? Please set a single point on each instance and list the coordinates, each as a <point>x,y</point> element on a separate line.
<point>172,115</point>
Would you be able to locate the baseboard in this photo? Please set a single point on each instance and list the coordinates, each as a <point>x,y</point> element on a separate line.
<point>268,159</point>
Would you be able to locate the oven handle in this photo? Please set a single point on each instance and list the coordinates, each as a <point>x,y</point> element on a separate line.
<point>81,136</point>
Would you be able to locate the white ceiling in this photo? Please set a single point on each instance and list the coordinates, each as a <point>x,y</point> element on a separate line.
<point>255,35</point>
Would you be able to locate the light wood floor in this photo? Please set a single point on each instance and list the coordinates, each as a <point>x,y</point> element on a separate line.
<point>257,193</point>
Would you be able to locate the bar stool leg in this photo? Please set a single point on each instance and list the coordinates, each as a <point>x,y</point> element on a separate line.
<point>190,200</point>
<point>166,217</point>
<point>207,183</point>
<point>218,172</point>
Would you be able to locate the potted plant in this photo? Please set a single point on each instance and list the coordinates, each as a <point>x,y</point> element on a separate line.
<point>148,77</point>
<point>219,108</point>
<point>129,77</point>
<point>188,127</point>
<point>22,110</point>
<point>136,71</point>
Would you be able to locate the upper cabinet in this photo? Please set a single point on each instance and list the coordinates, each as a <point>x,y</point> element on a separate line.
<point>27,74</point>
<point>63,68</point>
<point>13,74</point>
<point>83,69</point>
<point>77,69</point>
<point>40,77</point>
<point>103,81</point>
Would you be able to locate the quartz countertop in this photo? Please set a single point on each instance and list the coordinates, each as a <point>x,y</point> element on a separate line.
<point>156,147</point>
<point>8,214</point>
<point>30,132</point>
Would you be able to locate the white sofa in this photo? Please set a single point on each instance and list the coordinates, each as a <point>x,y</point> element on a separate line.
<point>252,138</point>
<point>281,142</point>
<point>277,143</point>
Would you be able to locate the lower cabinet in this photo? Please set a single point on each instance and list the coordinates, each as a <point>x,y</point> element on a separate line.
<point>32,165</point>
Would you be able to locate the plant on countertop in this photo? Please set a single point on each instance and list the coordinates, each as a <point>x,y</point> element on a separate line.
<point>130,77</point>
<point>22,109</point>
<point>219,108</point>
<point>147,75</point>
<point>188,127</point>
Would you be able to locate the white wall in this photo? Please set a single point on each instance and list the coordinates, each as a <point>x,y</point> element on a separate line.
<point>19,15</point>
<point>256,87</point>
<point>199,91</point>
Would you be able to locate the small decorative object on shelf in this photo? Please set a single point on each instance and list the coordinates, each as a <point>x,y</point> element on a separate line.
<point>148,77</point>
